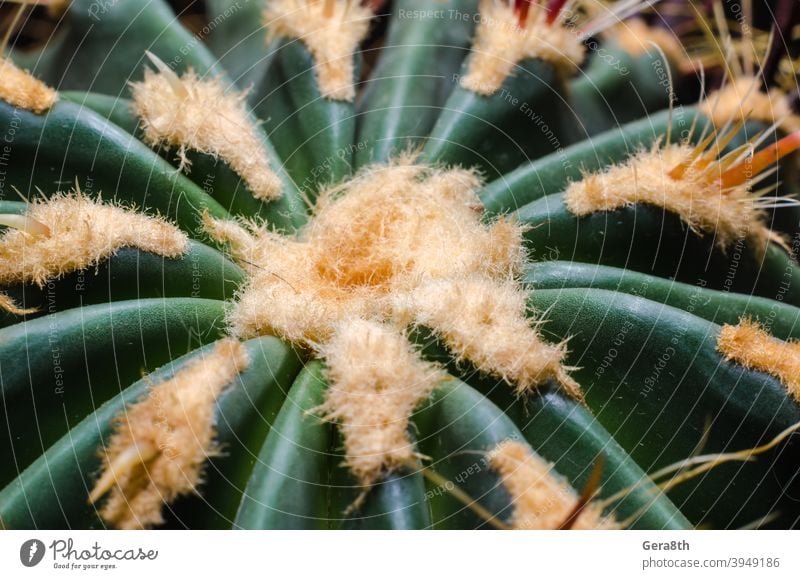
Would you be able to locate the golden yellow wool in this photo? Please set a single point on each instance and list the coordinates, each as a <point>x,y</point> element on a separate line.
<point>21,89</point>
<point>697,196</point>
<point>500,44</point>
<point>161,443</point>
<point>743,99</point>
<point>394,225</point>
<point>749,345</point>
<point>82,232</point>
<point>374,237</point>
<point>485,322</point>
<point>542,499</point>
<point>197,114</point>
<point>238,237</point>
<point>396,246</point>
<point>331,30</point>
<point>9,305</point>
<point>376,381</point>
<point>289,298</point>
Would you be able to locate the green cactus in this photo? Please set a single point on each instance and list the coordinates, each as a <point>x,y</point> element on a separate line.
<point>296,278</point>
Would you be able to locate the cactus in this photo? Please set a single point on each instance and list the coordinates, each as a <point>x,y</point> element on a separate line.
<point>480,269</point>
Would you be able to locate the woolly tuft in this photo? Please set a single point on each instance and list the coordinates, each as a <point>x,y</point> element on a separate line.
<point>376,236</point>
<point>197,114</point>
<point>370,256</point>
<point>331,30</point>
<point>10,306</point>
<point>749,345</point>
<point>82,232</point>
<point>500,44</point>
<point>697,196</point>
<point>376,381</point>
<point>161,443</point>
<point>21,89</point>
<point>542,499</point>
<point>485,322</point>
<point>239,239</point>
<point>743,99</point>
